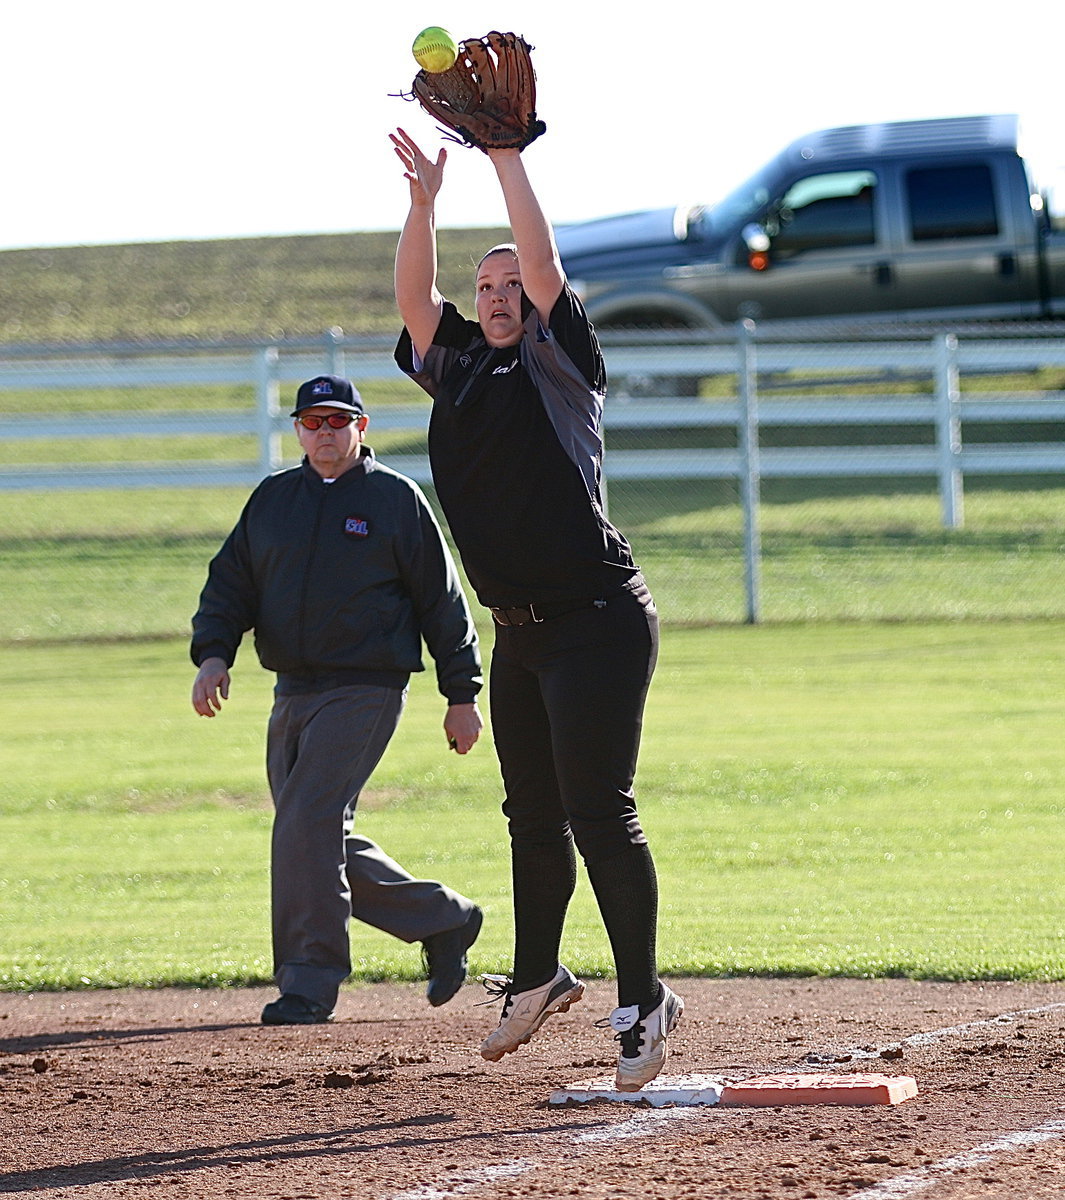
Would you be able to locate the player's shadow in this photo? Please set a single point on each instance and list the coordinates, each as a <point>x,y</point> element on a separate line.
<point>36,1043</point>
<point>328,1144</point>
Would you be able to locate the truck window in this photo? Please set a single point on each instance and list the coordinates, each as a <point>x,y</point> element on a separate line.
<point>822,212</point>
<point>951,202</point>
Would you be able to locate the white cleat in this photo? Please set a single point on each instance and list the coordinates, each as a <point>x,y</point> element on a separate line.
<point>643,1040</point>
<point>525,1012</point>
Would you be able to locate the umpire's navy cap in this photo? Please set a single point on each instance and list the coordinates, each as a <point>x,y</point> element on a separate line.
<point>328,391</point>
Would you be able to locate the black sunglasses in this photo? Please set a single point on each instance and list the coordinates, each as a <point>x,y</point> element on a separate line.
<point>335,420</point>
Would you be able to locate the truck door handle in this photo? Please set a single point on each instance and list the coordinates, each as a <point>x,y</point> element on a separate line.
<point>882,273</point>
<point>1007,265</point>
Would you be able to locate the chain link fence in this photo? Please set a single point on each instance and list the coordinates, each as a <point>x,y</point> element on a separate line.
<point>758,479</point>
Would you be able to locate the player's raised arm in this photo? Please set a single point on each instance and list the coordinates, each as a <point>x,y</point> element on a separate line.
<point>487,96</point>
<point>542,276</point>
<point>417,296</point>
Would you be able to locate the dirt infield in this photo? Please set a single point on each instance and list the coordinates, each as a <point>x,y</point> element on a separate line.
<point>183,1094</point>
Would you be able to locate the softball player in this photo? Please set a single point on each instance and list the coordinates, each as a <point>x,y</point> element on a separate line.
<point>515,447</point>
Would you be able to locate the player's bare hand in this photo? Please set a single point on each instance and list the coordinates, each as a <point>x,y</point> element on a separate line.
<point>423,175</point>
<point>210,687</point>
<point>462,726</point>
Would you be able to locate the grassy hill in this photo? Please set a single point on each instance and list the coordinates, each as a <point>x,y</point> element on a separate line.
<point>244,287</point>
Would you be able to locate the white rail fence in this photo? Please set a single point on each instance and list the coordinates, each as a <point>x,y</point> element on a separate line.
<point>806,392</point>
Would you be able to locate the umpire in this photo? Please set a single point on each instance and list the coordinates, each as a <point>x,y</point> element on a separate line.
<point>341,569</point>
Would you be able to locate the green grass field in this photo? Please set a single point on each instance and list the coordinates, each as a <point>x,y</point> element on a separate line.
<point>860,799</point>
<point>868,783</point>
<point>106,565</point>
<point>240,287</point>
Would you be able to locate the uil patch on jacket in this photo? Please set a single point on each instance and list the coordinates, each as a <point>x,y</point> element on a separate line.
<point>356,527</point>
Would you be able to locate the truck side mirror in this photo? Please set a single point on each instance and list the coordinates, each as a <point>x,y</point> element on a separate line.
<point>756,240</point>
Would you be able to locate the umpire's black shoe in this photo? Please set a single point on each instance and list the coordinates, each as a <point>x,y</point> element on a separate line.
<point>295,1010</point>
<point>445,958</point>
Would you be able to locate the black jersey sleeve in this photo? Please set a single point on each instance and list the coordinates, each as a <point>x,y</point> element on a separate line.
<point>566,366</point>
<point>569,324</point>
<point>454,336</point>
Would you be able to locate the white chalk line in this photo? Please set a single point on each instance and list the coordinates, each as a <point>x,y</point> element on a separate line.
<point>907,1185</point>
<point>933,1035</point>
<point>642,1125</point>
<point>470,1181</point>
<point>648,1123</point>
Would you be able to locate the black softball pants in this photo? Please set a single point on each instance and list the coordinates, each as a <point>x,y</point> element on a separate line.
<point>567,699</point>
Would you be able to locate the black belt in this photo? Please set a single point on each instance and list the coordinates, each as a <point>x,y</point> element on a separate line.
<point>533,614</point>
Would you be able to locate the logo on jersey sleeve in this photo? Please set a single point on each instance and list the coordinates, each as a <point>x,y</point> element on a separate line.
<point>356,527</point>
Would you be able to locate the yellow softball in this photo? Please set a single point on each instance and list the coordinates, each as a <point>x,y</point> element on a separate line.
<point>435,50</point>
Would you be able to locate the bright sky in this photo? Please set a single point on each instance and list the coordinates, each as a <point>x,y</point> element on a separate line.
<point>128,122</point>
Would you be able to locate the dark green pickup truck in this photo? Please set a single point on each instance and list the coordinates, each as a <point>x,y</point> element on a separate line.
<point>912,220</point>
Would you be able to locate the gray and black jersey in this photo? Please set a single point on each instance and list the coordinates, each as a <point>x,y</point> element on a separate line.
<point>516,454</point>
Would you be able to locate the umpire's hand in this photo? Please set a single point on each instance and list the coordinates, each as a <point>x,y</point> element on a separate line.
<point>462,725</point>
<point>210,687</point>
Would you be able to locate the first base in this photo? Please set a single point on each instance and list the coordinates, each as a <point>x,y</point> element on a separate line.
<point>763,1091</point>
<point>772,1090</point>
<point>680,1089</point>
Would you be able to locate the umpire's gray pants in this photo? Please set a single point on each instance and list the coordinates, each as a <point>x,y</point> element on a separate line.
<point>321,750</point>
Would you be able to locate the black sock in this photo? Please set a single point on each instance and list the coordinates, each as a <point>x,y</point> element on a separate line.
<point>543,878</point>
<point>626,889</point>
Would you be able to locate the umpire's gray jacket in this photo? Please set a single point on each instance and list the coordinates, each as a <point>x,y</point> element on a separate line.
<point>340,581</point>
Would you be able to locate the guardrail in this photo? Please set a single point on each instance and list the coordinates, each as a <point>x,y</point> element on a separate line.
<point>812,369</point>
<point>944,359</point>
<point>262,367</point>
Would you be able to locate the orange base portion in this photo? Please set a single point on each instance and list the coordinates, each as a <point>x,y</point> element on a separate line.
<point>772,1090</point>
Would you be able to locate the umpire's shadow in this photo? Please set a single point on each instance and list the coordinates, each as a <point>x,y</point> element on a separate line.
<point>37,1042</point>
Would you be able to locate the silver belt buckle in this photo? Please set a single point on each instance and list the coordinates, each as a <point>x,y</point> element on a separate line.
<point>503,616</point>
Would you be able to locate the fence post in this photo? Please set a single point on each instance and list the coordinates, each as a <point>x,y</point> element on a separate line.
<point>267,408</point>
<point>334,345</point>
<point>948,430</point>
<point>750,480</point>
